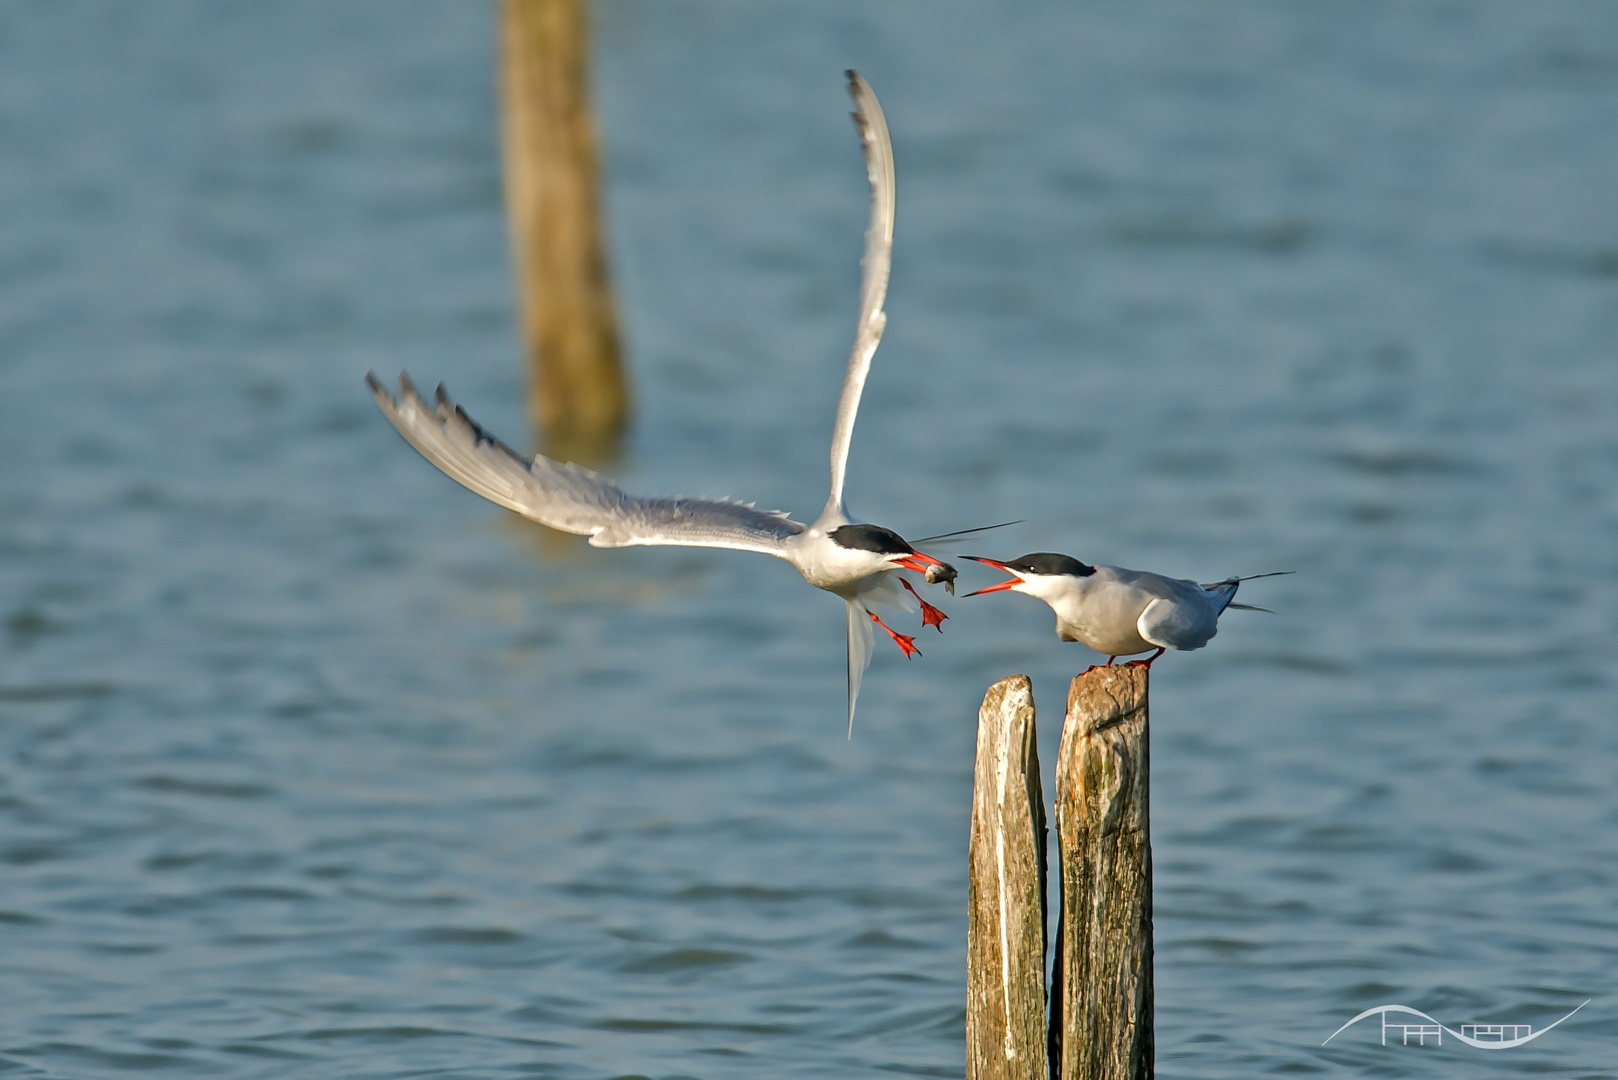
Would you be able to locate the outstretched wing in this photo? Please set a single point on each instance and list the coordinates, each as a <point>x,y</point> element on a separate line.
<point>873,128</point>
<point>568,497</point>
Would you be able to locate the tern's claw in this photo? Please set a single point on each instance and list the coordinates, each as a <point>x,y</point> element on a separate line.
<point>906,643</point>
<point>930,616</point>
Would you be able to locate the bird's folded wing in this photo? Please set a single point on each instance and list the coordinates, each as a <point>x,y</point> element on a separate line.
<point>568,497</point>
<point>1176,624</point>
<point>878,149</point>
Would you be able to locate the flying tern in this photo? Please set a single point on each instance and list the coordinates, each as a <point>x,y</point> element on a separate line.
<point>1121,612</point>
<point>835,552</point>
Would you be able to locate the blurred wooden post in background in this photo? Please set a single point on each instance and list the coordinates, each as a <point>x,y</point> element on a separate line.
<point>1005,959</point>
<point>1102,999</point>
<point>577,394</point>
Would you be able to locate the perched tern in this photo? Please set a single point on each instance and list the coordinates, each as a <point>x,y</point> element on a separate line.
<point>835,552</point>
<point>1121,612</point>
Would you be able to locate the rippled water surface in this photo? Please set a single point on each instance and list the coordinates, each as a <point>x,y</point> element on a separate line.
<point>316,765</point>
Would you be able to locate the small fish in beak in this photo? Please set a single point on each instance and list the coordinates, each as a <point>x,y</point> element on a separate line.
<point>942,572</point>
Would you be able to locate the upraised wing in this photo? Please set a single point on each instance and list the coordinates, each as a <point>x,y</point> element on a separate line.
<point>873,128</point>
<point>568,497</point>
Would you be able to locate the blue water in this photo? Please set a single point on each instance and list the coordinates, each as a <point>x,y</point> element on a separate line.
<point>316,765</point>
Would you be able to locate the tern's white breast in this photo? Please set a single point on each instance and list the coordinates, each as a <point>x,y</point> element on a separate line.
<point>828,565</point>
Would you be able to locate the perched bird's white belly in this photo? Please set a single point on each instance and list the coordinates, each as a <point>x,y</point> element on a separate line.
<point>1106,620</point>
<point>1107,640</point>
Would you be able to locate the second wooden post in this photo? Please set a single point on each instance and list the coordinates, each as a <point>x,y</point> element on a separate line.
<point>1101,1000</point>
<point>577,392</point>
<point>1005,957</point>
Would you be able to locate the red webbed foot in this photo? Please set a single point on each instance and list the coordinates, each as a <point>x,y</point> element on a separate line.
<point>1147,663</point>
<point>904,641</point>
<point>930,616</point>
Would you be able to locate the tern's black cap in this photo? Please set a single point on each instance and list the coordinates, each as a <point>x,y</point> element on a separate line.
<point>1048,564</point>
<point>872,538</point>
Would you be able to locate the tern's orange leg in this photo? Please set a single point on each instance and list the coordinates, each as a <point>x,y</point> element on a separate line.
<point>904,641</point>
<point>1147,663</point>
<point>930,616</point>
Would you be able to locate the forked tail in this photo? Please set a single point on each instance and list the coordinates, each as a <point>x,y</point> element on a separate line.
<point>1223,592</point>
<point>861,643</point>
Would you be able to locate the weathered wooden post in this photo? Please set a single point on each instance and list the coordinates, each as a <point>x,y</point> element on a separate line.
<point>577,394</point>
<point>1005,961</point>
<point>1101,1000</point>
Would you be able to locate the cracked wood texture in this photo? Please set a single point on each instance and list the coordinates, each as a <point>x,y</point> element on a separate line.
<point>1005,958</point>
<point>577,393</point>
<point>1101,1002</point>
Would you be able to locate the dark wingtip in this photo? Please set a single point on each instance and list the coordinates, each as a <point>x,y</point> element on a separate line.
<point>858,114</point>
<point>374,383</point>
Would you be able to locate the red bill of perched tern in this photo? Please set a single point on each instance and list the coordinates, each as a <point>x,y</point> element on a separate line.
<point>1121,612</point>
<point>835,552</point>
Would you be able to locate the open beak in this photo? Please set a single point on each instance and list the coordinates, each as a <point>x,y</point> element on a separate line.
<point>918,562</point>
<point>1016,578</point>
<point>930,568</point>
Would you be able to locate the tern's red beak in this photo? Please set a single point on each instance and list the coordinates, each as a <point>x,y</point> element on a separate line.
<point>1016,579</point>
<point>918,562</point>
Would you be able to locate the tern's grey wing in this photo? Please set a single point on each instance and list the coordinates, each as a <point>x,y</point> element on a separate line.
<point>1178,623</point>
<point>878,149</point>
<point>568,497</point>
